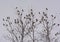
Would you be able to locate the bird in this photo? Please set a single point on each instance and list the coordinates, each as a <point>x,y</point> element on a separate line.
<point>46,8</point>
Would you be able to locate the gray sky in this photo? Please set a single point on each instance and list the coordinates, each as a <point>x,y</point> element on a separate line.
<point>7,8</point>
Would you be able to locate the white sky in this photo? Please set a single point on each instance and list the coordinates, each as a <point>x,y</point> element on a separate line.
<point>7,8</point>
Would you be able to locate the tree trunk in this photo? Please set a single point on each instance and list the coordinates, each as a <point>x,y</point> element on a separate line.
<point>47,39</point>
<point>48,33</point>
<point>33,36</point>
<point>22,34</point>
<point>33,31</point>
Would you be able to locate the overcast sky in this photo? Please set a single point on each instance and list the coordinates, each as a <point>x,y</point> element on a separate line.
<point>7,8</point>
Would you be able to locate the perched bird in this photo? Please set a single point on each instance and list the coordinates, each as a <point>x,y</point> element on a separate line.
<point>46,8</point>
<point>52,15</point>
<point>22,10</point>
<point>39,12</point>
<point>58,24</point>
<point>36,20</point>
<point>8,17</point>
<point>16,7</point>
<point>31,10</point>
<point>18,11</point>
<point>3,19</point>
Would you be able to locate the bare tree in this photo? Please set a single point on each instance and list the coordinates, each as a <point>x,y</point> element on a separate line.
<point>17,29</point>
<point>33,23</point>
<point>48,25</point>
